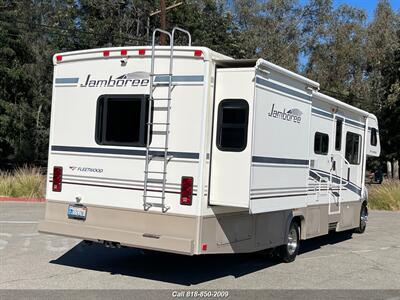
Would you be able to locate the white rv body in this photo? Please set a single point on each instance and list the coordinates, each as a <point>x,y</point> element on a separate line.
<point>243,200</point>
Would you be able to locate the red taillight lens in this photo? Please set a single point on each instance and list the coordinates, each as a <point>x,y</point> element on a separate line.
<point>186,190</point>
<point>124,52</point>
<point>142,51</point>
<point>59,57</point>
<point>57,179</point>
<point>106,53</point>
<point>198,53</point>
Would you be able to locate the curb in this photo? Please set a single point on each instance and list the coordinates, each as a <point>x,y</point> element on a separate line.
<point>21,199</point>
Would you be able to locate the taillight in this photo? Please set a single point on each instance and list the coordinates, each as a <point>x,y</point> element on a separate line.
<point>57,179</point>
<point>198,53</point>
<point>186,190</point>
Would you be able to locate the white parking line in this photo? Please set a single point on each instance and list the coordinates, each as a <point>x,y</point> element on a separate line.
<point>362,251</point>
<point>19,222</point>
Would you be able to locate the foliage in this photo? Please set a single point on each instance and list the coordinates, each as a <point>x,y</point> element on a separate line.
<point>23,182</point>
<point>385,196</point>
<point>354,60</point>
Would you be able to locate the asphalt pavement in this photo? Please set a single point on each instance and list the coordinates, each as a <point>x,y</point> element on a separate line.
<point>29,260</point>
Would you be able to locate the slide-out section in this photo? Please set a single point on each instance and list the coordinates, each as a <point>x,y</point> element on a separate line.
<point>232,137</point>
<point>280,163</point>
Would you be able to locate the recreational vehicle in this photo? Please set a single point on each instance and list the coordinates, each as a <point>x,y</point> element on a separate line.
<point>185,150</point>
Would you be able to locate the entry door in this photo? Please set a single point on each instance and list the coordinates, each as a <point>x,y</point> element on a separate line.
<point>231,141</point>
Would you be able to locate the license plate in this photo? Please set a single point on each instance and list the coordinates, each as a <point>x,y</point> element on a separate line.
<point>77,212</point>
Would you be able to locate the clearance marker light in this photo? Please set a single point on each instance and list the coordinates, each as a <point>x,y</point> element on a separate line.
<point>198,53</point>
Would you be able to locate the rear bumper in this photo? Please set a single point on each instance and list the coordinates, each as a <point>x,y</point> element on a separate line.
<point>156,231</point>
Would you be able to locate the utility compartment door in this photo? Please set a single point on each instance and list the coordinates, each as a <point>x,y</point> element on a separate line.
<point>232,138</point>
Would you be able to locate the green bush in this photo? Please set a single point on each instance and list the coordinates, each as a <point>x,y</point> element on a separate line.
<point>385,196</point>
<point>23,182</point>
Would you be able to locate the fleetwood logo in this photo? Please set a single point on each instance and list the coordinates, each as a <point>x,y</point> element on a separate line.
<point>126,80</point>
<point>84,169</point>
<point>292,115</point>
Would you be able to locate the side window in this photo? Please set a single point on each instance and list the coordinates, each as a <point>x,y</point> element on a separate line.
<point>321,143</point>
<point>353,148</point>
<point>121,120</point>
<point>338,137</point>
<point>232,123</point>
<point>374,137</point>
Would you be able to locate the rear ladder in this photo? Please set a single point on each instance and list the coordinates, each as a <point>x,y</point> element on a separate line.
<point>159,153</point>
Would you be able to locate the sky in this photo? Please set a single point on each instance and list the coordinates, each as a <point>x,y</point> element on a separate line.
<point>368,5</point>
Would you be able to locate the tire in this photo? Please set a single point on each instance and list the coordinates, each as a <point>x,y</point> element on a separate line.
<point>287,253</point>
<point>363,219</point>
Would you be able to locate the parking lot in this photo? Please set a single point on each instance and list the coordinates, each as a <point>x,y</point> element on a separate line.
<point>29,260</point>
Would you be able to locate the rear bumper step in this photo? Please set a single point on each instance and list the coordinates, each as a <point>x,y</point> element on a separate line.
<point>128,227</point>
<point>125,238</point>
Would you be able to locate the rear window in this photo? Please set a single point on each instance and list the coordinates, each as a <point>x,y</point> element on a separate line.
<point>121,120</point>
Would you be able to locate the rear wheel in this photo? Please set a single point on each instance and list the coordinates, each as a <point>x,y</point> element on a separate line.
<point>363,219</point>
<point>289,251</point>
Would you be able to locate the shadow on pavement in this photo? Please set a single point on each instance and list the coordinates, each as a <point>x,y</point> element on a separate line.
<point>174,268</point>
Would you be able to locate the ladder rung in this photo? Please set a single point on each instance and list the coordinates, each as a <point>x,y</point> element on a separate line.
<point>161,74</point>
<point>157,148</point>
<point>155,180</point>
<point>155,204</point>
<point>160,157</point>
<point>155,197</point>
<point>158,123</point>
<point>155,172</point>
<point>162,108</point>
<point>160,132</point>
<point>157,99</point>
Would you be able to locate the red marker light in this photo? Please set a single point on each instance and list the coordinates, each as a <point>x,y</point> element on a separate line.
<point>204,247</point>
<point>124,52</point>
<point>198,53</point>
<point>106,53</point>
<point>59,57</point>
<point>142,51</point>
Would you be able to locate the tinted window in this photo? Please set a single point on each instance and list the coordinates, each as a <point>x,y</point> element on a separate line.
<point>374,137</point>
<point>338,137</point>
<point>232,125</point>
<point>121,120</point>
<point>321,143</point>
<point>353,146</point>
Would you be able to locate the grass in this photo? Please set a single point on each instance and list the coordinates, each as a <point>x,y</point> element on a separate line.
<point>23,182</point>
<point>385,196</point>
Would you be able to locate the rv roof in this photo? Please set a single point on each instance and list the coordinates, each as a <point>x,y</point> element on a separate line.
<point>132,51</point>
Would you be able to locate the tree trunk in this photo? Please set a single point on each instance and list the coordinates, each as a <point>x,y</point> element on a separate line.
<point>396,169</point>
<point>163,21</point>
<point>389,170</point>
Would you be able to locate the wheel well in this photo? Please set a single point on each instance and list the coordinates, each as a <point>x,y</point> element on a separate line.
<point>299,220</point>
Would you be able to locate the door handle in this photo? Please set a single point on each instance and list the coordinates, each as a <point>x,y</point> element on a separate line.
<point>334,165</point>
<point>348,174</point>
